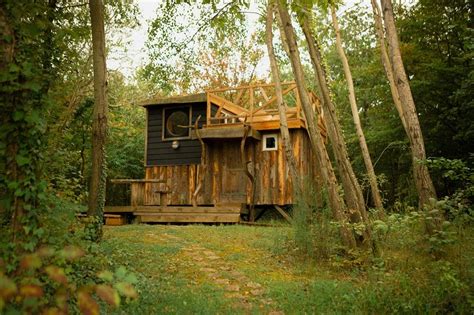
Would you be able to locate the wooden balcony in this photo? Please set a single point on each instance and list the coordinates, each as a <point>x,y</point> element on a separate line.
<point>256,105</point>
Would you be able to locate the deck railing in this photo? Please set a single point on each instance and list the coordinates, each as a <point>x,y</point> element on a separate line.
<point>256,103</point>
<point>249,102</point>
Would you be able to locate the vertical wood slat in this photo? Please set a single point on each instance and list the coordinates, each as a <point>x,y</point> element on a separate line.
<point>208,110</point>
<point>137,194</point>
<point>272,182</point>
<point>251,100</point>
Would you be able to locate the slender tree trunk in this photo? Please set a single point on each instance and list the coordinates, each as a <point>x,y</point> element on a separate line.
<point>423,181</point>
<point>317,144</point>
<point>99,125</point>
<point>355,114</point>
<point>285,134</point>
<point>7,50</point>
<point>352,191</point>
<point>386,63</point>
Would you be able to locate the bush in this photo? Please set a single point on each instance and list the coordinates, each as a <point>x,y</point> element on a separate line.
<point>66,273</point>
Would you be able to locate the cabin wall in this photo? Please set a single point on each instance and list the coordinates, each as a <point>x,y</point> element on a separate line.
<point>159,151</point>
<point>222,177</point>
<point>273,181</point>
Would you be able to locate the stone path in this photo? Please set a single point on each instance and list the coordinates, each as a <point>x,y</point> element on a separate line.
<point>203,264</point>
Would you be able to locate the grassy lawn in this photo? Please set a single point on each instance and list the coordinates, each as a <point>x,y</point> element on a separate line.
<point>198,269</point>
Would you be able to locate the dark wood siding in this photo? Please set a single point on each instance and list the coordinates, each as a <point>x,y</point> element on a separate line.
<point>160,152</point>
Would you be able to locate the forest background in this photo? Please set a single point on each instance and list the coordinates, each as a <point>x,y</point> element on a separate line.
<point>47,105</point>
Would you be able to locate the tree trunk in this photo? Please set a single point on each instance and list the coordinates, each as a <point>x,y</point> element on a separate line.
<point>355,114</point>
<point>99,125</point>
<point>423,182</point>
<point>352,191</point>
<point>317,144</point>
<point>285,134</point>
<point>386,63</point>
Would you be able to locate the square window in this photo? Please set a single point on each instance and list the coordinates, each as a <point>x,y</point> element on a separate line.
<point>270,142</point>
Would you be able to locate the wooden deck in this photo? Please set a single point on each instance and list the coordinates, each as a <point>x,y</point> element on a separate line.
<point>179,214</point>
<point>256,105</point>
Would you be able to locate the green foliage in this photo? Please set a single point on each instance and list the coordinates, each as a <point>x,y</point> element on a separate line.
<point>438,48</point>
<point>436,44</point>
<point>315,235</point>
<point>66,273</point>
<point>48,281</point>
<point>200,45</point>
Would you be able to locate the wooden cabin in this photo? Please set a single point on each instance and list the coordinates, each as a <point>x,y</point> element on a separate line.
<point>215,156</point>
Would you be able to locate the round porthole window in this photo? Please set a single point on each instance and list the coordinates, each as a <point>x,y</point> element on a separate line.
<point>175,122</point>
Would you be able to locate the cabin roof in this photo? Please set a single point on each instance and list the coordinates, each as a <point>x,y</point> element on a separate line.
<point>181,99</point>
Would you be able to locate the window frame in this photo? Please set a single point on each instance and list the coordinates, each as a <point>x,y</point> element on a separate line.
<point>163,129</point>
<point>264,142</point>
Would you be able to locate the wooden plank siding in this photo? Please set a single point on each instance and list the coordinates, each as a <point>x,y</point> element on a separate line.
<point>159,151</point>
<point>224,180</point>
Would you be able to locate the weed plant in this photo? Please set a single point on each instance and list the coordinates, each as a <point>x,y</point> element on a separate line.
<point>416,272</point>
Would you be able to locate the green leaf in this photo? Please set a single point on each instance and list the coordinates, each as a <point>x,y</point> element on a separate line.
<point>56,274</point>
<point>18,115</point>
<point>71,253</point>
<point>131,278</point>
<point>106,275</point>
<point>31,290</point>
<point>126,289</point>
<point>7,287</point>
<point>121,272</point>
<point>108,294</point>
<point>30,262</point>
<point>87,305</point>
<point>22,160</point>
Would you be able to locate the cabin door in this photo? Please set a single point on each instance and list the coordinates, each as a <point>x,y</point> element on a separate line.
<point>233,180</point>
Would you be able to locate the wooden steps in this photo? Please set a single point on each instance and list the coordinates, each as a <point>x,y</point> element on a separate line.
<point>119,209</point>
<point>114,219</point>
<point>176,214</point>
<point>184,214</point>
<point>188,217</point>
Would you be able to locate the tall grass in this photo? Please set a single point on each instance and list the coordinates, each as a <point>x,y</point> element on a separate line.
<point>416,272</point>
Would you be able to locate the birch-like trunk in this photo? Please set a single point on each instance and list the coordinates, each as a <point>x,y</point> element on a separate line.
<point>285,134</point>
<point>352,190</point>
<point>355,114</point>
<point>99,124</point>
<point>386,63</point>
<point>317,144</point>
<point>423,181</point>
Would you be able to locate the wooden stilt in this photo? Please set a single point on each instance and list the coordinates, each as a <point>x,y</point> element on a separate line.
<point>283,213</point>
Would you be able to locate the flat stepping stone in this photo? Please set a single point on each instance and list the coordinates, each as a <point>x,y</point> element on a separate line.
<point>197,258</point>
<point>267,301</point>
<point>243,306</point>
<point>233,288</point>
<point>235,273</point>
<point>254,285</point>
<point>236,295</point>
<point>208,270</point>
<point>257,292</point>
<point>224,268</point>
<point>222,281</point>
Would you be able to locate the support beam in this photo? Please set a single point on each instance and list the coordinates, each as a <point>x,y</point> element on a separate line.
<point>283,213</point>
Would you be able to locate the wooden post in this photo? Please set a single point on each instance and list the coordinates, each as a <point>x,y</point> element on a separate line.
<point>251,103</point>
<point>283,213</point>
<point>208,110</point>
<point>298,104</point>
<point>137,194</point>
